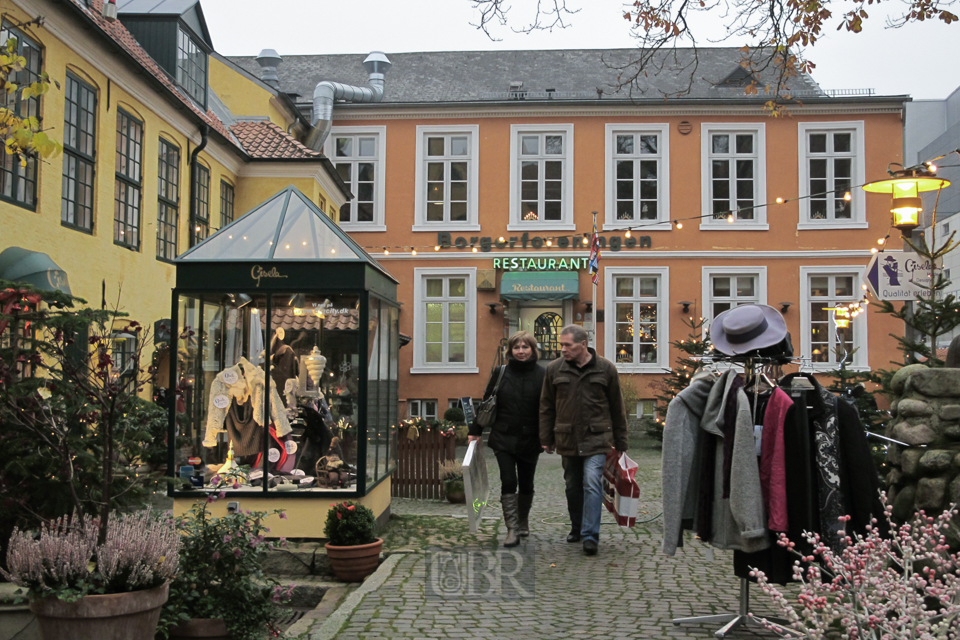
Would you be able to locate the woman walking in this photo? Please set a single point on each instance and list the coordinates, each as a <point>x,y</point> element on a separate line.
<point>514,435</point>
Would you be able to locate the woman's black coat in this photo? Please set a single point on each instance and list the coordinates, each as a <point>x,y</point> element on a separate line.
<point>516,428</point>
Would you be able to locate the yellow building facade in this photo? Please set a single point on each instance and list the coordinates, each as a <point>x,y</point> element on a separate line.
<point>164,142</point>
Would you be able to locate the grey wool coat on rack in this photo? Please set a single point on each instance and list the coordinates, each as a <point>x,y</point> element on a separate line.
<point>739,522</point>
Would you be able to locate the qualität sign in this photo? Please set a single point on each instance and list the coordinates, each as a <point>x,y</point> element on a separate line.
<point>901,275</point>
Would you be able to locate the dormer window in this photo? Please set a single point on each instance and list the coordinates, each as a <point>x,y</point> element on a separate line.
<point>175,35</point>
<point>191,67</point>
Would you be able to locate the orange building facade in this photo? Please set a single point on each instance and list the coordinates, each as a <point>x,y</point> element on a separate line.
<point>480,202</point>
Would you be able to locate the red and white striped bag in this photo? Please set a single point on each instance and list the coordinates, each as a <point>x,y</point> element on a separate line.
<point>621,493</point>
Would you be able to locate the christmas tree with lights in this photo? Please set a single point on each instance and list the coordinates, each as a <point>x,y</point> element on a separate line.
<point>690,349</point>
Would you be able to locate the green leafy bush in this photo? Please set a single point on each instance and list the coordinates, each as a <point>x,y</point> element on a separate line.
<point>221,574</point>
<point>454,414</point>
<point>349,524</point>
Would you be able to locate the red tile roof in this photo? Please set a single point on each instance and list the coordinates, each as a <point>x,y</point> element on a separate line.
<point>264,139</point>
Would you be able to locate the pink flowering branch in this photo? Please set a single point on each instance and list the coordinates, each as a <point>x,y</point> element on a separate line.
<point>879,587</point>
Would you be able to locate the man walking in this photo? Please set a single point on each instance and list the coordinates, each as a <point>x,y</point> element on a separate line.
<point>581,417</point>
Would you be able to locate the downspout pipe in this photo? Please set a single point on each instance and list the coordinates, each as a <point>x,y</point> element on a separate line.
<point>204,132</point>
<point>327,92</point>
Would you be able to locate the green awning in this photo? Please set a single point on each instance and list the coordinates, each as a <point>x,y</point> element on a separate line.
<point>539,285</point>
<point>34,268</point>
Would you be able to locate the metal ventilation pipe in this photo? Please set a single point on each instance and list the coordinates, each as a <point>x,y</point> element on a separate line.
<point>269,60</point>
<point>328,92</point>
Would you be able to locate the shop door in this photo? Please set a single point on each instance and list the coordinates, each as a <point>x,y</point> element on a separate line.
<point>546,329</point>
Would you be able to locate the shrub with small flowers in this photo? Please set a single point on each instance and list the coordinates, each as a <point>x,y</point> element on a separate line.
<point>221,574</point>
<point>349,524</point>
<point>881,587</point>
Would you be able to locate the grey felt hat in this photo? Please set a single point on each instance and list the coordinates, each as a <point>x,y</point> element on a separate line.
<point>747,327</point>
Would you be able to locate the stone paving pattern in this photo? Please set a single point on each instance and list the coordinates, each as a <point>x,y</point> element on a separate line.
<point>629,590</point>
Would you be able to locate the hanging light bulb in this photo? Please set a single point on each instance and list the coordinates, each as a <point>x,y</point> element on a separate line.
<point>549,242</point>
<point>627,234</point>
<point>730,218</point>
<point>436,248</point>
<point>874,250</point>
<point>881,240</point>
<point>679,225</point>
<point>475,249</point>
<point>501,239</point>
<point>847,196</point>
<point>413,251</point>
<point>779,200</point>
<point>386,251</point>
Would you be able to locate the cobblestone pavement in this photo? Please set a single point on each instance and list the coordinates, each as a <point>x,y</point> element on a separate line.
<point>629,590</point>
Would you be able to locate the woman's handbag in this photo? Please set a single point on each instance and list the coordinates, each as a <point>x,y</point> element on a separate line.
<point>487,411</point>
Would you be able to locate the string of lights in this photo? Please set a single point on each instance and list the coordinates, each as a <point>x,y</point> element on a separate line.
<point>730,215</point>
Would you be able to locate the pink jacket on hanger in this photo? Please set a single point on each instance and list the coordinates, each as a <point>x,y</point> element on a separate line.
<point>773,474</point>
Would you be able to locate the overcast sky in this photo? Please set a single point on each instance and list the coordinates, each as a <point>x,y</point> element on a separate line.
<point>919,60</point>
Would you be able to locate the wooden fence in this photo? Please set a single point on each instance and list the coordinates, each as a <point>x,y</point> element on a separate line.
<point>417,474</point>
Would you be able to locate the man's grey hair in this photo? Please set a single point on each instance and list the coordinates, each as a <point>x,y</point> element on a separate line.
<point>576,332</point>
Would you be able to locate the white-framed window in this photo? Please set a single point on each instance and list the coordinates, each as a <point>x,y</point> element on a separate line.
<point>444,318</point>
<point>447,178</point>
<point>358,153</point>
<point>724,288</point>
<point>637,176</point>
<point>734,176</point>
<point>821,340</point>
<point>637,325</point>
<point>644,408</point>
<point>831,164</point>
<point>426,409</point>
<point>541,177</point>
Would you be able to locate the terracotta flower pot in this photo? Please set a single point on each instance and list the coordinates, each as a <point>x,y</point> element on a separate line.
<point>354,563</point>
<point>116,616</point>
<point>207,628</point>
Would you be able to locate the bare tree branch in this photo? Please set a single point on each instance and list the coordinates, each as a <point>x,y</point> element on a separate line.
<point>774,36</point>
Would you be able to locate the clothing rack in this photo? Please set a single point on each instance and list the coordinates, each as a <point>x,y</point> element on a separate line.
<point>743,617</point>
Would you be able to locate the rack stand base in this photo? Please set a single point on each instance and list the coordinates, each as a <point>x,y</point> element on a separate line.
<point>731,621</point>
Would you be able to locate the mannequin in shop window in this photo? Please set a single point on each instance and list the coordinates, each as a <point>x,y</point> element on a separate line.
<point>283,360</point>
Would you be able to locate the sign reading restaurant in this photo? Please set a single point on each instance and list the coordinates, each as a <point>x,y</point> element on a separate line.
<point>526,241</point>
<point>541,264</point>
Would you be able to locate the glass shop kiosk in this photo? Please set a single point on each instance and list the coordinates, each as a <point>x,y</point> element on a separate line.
<point>286,340</point>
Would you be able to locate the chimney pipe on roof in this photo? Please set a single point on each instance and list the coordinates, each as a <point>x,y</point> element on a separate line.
<point>269,60</point>
<point>328,92</point>
<point>109,10</point>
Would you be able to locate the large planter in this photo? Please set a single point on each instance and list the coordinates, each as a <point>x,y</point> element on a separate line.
<point>207,628</point>
<point>353,564</point>
<point>116,616</point>
<point>454,491</point>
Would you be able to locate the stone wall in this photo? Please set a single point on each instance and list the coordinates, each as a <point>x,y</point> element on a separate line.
<point>926,416</point>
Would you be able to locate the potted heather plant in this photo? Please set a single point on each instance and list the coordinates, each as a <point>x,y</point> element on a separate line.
<point>352,548</point>
<point>221,590</point>
<point>451,474</point>
<point>898,585</point>
<point>80,587</point>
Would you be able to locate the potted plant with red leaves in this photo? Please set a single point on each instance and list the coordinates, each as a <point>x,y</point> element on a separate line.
<point>352,548</point>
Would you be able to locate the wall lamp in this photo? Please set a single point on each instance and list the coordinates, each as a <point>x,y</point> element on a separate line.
<point>493,307</point>
<point>686,305</point>
<point>784,306</point>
